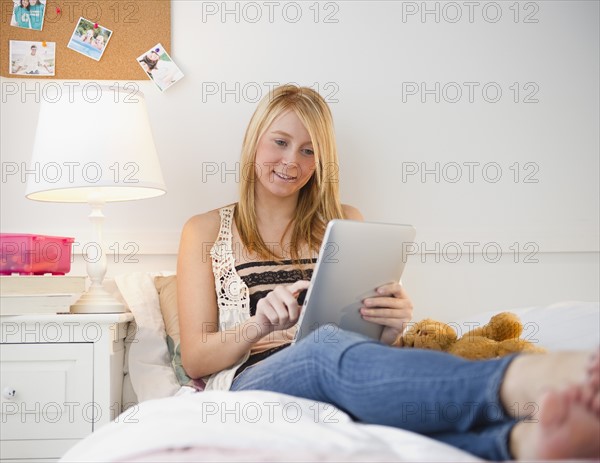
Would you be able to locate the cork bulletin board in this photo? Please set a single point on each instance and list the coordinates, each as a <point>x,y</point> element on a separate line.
<point>136,27</point>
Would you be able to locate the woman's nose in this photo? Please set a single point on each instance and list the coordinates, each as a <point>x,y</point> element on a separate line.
<point>290,156</point>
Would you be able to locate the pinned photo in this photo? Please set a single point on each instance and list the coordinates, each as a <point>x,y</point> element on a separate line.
<point>28,14</point>
<point>32,58</point>
<point>160,67</point>
<point>89,39</point>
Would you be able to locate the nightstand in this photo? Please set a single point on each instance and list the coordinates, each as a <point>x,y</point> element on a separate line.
<point>61,378</point>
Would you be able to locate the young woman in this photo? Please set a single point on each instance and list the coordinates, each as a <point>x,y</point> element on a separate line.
<point>163,72</point>
<point>241,269</point>
<point>21,14</point>
<point>36,14</point>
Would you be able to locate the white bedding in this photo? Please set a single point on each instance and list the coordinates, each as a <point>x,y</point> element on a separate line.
<point>251,426</point>
<point>194,426</point>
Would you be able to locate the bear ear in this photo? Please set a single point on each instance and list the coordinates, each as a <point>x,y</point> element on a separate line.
<point>505,325</point>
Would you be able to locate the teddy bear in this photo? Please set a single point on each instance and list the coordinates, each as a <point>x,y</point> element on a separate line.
<point>498,338</point>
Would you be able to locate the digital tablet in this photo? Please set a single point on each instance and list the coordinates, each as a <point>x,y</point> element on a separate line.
<point>354,260</point>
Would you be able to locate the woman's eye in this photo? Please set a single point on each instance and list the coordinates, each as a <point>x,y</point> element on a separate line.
<point>308,152</point>
<point>281,142</point>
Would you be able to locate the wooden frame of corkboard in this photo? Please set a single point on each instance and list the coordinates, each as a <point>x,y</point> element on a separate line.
<point>136,25</point>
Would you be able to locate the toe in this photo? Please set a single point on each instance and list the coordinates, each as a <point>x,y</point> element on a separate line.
<point>554,406</point>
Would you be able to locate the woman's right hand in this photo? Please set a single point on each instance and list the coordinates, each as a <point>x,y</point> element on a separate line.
<point>279,310</point>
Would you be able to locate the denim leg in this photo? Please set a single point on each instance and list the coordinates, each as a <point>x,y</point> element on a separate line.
<point>490,442</point>
<point>419,390</point>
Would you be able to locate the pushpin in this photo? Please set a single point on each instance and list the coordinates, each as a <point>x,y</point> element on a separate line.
<point>157,50</point>
<point>96,26</point>
<point>57,10</point>
<point>43,44</point>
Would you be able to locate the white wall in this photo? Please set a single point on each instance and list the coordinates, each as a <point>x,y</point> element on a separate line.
<point>374,66</point>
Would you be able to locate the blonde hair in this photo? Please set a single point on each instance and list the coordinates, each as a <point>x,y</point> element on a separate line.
<point>319,199</point>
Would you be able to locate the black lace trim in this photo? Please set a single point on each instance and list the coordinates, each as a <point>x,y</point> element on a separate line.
<point>277,277</point>
<point>272,262</point>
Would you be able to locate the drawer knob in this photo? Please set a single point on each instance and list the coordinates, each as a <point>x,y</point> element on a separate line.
<point>9,392</point>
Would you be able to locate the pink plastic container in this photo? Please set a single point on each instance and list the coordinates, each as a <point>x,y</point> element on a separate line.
<point>34,254</point>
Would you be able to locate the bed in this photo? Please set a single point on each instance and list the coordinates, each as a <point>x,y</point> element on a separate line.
<point>169,418</point>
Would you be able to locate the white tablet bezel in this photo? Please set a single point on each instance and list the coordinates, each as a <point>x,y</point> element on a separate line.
<point>355,258</point>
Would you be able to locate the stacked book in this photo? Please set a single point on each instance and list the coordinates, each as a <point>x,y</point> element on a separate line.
<point>20,294</point>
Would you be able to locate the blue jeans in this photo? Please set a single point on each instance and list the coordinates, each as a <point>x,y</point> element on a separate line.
<point>436,394</point>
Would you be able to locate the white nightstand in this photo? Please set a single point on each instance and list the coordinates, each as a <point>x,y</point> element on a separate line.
<point>61,377</point>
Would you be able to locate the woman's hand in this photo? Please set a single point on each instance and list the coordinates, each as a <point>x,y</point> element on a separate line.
<point>391,308</point>
<point>279,310</point>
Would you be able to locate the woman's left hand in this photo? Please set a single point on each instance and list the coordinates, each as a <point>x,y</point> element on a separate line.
<point>391,307</point>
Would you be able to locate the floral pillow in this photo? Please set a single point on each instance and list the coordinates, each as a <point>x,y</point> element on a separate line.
<point>166,286</point>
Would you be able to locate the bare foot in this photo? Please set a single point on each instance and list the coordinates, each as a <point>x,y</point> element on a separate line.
<point>594,383</point>
<point>568,424</point>
<point>530,376</point>
<point>568,427</point>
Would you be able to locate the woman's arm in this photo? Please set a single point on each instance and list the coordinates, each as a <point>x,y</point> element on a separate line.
<point>204,349</point>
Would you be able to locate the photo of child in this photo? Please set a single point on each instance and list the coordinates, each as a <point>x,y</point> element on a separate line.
<point>32,58</point>
<point>98,42</point>
<point>28,14</point>
<point>89,39</point>
<point>159,67</point>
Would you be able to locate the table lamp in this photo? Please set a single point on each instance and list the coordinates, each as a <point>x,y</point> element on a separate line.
<point>94,146</point>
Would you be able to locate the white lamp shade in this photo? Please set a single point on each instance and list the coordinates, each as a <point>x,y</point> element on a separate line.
<point>94,143</point>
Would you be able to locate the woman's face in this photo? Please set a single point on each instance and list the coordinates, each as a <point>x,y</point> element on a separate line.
<point>153,56</point>
<point>24,3</point>
<point>285,159</point>
<point>33,2</point>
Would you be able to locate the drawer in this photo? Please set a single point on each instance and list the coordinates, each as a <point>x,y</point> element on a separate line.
<point>53,391</point>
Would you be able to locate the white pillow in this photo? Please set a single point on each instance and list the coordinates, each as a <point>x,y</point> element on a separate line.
<point>150,370</point>
<point>570,325</point>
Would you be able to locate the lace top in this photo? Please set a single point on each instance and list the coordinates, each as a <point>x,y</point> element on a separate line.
<point>240,288</point>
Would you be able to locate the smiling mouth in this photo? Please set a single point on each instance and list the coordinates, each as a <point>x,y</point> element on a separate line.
<point>282,176</point>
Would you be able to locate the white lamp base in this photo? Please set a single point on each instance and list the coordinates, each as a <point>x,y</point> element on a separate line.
<point>97,300</point>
